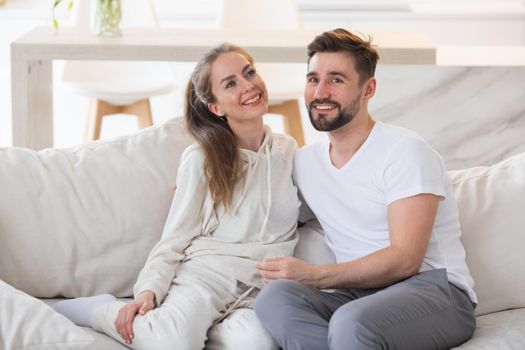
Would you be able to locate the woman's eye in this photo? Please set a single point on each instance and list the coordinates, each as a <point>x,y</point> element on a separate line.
<point>250,73</point>
<point>230,84</point>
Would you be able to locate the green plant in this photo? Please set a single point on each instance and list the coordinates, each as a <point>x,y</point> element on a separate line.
<point>55,4</point>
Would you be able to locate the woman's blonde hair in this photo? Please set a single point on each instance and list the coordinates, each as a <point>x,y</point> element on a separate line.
<point>221,152</point>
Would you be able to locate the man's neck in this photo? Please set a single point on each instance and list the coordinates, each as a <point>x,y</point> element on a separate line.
<point>346,141</point>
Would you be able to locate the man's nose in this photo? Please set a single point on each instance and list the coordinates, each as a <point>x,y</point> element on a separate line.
<point>321,91</point>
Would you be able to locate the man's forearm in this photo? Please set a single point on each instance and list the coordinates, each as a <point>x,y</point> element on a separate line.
<point>380,269</point>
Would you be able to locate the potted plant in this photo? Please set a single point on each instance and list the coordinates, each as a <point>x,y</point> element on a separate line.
<point>106,16</point>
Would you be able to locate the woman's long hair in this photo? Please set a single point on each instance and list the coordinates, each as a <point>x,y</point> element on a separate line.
<point>221,152</point>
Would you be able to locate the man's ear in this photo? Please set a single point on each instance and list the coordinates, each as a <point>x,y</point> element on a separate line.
<point>215,109</point>
<point>370,88</point>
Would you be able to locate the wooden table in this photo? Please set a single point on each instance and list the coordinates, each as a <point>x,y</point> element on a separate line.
<point>33,53</point>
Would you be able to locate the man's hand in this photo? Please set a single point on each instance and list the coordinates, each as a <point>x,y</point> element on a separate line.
<point>141,305</point>
<point>289,268</point>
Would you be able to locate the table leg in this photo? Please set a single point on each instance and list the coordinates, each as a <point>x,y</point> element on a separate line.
<point>32,101</point>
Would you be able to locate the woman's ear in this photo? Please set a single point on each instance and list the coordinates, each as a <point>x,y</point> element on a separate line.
<point>215,109</point>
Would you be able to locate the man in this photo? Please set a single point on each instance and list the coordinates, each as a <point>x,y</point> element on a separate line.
<point>384,200</point>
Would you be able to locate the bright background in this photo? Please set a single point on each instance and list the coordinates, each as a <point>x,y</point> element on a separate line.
<point>446,23</point>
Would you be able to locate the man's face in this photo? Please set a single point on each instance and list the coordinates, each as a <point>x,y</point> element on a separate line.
<point>333,95</point>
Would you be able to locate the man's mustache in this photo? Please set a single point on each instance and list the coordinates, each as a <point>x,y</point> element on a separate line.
<point>323,101</point>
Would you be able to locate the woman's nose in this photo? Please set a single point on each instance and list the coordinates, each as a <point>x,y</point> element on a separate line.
<point>247,85</point>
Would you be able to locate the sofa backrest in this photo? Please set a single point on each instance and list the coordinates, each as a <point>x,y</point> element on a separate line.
<point>82,221</point>
<point>491,203</point>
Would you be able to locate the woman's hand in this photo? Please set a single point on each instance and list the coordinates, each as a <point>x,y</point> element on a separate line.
<point>143,303</point>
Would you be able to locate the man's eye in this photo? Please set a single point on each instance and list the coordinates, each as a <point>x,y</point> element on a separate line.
<point>311,80</point>
<point>336,80</point>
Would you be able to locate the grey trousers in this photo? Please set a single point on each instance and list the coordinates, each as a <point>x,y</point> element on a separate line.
<point>422,312</point>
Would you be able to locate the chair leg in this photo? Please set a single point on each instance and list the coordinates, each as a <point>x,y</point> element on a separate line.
<point>97,110</point>
<point>142,110</point>
<point>291,118</point>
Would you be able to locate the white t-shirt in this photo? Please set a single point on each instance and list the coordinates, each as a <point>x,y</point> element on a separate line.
<point>351,202</point>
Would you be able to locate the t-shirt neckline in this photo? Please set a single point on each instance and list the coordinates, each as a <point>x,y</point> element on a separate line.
<point>357,154</point>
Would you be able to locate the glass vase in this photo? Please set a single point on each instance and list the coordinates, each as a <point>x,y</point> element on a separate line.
<point>107,17</point>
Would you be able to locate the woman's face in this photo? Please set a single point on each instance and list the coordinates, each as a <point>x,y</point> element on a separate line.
<point>240,93</point>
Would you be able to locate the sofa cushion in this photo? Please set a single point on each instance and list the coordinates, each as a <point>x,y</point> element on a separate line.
<point>28,323</point>
<point>312,246</point>
<point>491,202</point>
<point>503,330</point>
<point>81,221</point>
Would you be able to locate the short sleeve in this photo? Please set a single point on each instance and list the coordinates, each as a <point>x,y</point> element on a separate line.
<point>412,167</point>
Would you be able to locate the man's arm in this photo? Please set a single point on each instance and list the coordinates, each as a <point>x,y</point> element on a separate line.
<point>410,222</point>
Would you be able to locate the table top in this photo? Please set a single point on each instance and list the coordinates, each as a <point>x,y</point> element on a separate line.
<point>173,44</point>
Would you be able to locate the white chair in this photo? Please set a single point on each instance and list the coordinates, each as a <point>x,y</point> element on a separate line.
<point>118,86</point>
<point>285,81</point>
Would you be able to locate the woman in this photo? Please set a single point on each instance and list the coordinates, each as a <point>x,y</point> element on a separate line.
<point>235,205</point>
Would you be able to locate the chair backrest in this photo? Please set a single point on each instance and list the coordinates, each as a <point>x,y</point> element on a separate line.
<point>259,14</point>
<point>135,13</point>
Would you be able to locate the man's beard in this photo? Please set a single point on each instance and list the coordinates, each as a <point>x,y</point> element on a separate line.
<point>345,116</point>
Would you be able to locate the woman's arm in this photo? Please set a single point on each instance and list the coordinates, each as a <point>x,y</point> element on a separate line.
<point>183,224</point>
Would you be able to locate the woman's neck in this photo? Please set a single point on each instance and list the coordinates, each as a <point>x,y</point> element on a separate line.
<point>249,136</point>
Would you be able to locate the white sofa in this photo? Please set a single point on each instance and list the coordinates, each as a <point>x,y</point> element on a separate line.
<point>81,221</point>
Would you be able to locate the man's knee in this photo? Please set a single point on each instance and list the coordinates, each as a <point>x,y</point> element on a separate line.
<point>352,328</point>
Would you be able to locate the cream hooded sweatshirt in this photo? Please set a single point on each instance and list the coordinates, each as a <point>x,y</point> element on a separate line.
<point>261,223</point>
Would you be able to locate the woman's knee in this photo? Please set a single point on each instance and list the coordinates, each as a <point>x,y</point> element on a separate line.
<point>240,330</point>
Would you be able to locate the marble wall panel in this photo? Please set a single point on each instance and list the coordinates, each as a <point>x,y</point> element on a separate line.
<point>471,115</point>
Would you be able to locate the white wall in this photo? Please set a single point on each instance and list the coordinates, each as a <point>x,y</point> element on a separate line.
<point>458,22</point>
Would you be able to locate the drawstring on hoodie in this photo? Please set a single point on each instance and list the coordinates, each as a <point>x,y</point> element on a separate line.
<point>269,190</point>
<point>252,161</point>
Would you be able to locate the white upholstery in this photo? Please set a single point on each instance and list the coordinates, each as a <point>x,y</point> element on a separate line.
<point>491,203</point>
<point>28,323</point>
<point>504,330</point>
<point>81,221</point>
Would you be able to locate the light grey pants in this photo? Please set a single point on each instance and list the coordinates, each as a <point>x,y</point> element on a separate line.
<point>422,312</point>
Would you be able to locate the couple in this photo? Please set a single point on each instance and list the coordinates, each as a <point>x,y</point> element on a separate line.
<point>380,192</point>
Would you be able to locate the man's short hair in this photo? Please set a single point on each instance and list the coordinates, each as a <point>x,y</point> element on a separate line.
<point>341,40</point>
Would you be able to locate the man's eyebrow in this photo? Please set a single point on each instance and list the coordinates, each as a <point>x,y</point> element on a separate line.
<point>339,73</point>
<point>331,73</point>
